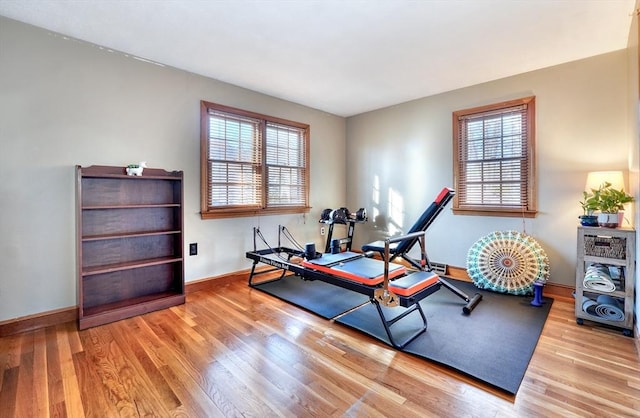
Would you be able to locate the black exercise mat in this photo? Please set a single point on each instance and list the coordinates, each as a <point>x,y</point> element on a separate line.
<point>318,297</point>
<point>493,344</point>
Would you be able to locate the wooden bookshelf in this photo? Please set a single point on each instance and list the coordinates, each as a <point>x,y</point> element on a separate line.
<point>129,243</point>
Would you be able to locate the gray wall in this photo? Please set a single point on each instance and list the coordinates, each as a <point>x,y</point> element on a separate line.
<point>65,102</point>
<point>634,134</point>
<point>582,126</point>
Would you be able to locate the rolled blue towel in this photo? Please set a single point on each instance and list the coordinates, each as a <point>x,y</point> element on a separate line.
<point>589,306</point>
<point>609,308</point>
<point>597,277</point>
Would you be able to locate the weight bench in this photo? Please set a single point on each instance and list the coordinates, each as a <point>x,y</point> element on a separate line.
<point>401,248</point>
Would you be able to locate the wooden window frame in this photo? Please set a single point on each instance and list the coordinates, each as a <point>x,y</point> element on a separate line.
<point>528,186</point>
<point>262,207</point>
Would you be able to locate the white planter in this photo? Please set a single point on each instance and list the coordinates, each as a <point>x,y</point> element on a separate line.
<point>136,171</point>
<point>608,220</point>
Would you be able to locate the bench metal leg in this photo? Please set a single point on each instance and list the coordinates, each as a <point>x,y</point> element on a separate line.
<point>388,323</point>
<point>255,273</point>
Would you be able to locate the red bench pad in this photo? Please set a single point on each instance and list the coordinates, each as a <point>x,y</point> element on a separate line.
<point>413,283</point>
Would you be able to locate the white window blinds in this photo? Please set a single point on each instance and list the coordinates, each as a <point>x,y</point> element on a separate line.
<point>252,163</point>
<point>235,145</point>
<point>286,167</point>
<point>494,160</point>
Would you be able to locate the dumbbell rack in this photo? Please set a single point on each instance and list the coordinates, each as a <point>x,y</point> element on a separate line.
<point>346,241</point>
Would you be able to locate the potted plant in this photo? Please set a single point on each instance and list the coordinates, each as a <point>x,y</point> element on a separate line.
<point>589,205</point>
<point>136,169</point>
<point>608,201</point>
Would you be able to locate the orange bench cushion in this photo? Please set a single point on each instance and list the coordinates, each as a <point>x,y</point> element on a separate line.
<point>413,283</point>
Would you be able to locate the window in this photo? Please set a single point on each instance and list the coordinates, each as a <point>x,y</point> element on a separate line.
<point>251,163</point>
<point>494,170</point>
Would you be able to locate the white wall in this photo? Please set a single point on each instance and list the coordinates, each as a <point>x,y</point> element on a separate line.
<point>64,102</point>
<point>634,143</point>
<point>581,125</point>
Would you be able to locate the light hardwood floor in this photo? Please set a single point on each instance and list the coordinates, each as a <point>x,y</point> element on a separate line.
<point>240,352</point>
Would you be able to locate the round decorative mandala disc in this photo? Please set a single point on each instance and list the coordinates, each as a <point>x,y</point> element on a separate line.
<point>507,262</point>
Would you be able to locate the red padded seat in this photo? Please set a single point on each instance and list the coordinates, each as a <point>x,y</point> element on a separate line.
<point>413,283</point>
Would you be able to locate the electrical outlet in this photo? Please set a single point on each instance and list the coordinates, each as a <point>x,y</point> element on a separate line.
<point>193,248</point>
<point>322,231</point>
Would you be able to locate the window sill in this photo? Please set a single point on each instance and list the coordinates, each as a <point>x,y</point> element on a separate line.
<point>515,213</point>
<point>240,213</point>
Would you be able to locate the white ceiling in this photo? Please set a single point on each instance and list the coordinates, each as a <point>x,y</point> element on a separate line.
<point>342,56</point>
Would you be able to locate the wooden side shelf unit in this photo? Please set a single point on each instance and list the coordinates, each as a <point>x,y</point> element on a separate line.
<point>129,243</point>
<point>605,277</point>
